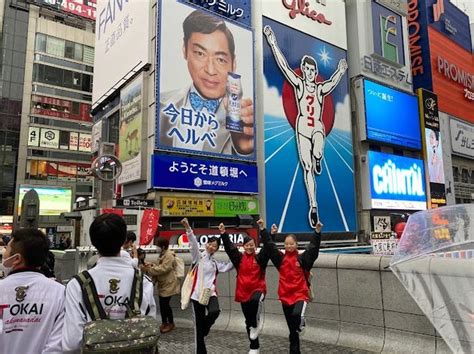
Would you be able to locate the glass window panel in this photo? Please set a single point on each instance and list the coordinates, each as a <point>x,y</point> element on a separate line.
<point>55,46</point>
<point>68,79</point>
<point>77,81</point>
<point>86,83</point>
<point>78,51</point>
<point>40,42</point>
<point>52,75</point>
<point>88,56</point>
<point>69,50</point>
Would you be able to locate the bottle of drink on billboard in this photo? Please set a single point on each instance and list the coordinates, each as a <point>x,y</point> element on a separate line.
<point>234,96</point>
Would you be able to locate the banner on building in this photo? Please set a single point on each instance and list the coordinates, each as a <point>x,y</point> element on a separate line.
<point>432,147</point>
<point>205,85</point>
<point>130,131</point>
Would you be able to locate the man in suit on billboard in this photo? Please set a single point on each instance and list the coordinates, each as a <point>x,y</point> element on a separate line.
<point>309,127</point>
<point>209,50</point>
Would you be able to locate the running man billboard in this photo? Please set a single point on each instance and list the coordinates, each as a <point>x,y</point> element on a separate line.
<point>307,124</point>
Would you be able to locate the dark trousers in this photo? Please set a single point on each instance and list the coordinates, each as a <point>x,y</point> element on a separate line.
<point>203,322</point>
<point>251,310</point>
<point>165,309</point>
<point>293,315</point>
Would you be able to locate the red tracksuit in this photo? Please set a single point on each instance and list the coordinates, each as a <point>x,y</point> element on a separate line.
<point>250,288</point>
<point>293,286</point>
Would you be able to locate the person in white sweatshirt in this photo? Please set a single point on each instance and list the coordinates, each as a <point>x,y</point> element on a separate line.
<point>31,305</point>
<point>113,277</point>
<point>204,293</point>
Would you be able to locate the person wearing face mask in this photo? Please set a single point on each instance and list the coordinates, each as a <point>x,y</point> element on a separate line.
<point>31,305</point>
<point>167,284</point>
<point>204,294</point>
<point>250,288</point>
<point>293,285</point>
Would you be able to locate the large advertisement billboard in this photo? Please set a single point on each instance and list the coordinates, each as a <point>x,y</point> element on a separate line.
<point>452,75</point>
<point>433,147</point>
<point>130,131</point>
<point>205,83</point>
<point>53,200</point>
<point>396,182</point>
<point>307,127</point>
<point>391,116</point>
<point>121,27</point>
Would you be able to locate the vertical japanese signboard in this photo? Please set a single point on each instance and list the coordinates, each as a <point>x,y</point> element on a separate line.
<point>433,147</point>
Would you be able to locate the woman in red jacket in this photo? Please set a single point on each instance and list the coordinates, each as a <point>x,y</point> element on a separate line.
<point>251,288</point>
<point>293,287</point>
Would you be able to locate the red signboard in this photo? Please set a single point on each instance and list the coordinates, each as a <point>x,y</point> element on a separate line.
<point>55,107</point>
<point>148,225</point>
<point>82,8</point>
<point>453,76</point>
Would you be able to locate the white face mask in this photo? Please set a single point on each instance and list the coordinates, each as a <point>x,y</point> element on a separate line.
<point>158,249</point>
<point>7,269</point>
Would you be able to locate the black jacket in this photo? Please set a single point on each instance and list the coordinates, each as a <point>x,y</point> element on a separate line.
<point>306,259</point>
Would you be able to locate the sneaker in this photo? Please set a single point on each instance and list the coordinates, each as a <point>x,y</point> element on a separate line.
<point>253,333</point>
<point>254,351</point>
<point>313,217</point>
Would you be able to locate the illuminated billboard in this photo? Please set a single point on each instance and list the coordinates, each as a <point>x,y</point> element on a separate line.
<point>396,182</point>
<point>391,116</point>
<point>53,200</point>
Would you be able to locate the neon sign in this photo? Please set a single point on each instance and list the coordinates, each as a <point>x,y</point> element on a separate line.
<point>397,182</point>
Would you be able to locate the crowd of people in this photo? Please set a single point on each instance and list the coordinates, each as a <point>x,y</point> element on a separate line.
<point>40,315</point>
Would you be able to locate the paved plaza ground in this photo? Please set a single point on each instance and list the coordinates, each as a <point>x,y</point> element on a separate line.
<point>181,340</point>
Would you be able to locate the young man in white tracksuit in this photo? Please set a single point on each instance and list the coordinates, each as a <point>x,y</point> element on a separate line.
<point>31,305</point>
<point>206,278</point>
<point>113,277</point>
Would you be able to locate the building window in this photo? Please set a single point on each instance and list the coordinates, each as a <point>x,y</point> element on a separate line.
<point>55,46</point>
<point>64,49</point>
<point>456,174</point>
<point>70,49</point>
<point>88,55</point>
<point>40,42</point>
<point>465,175</point>
<point>60,77</point>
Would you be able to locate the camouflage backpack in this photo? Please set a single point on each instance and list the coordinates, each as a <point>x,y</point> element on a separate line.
<point>134,334</point>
